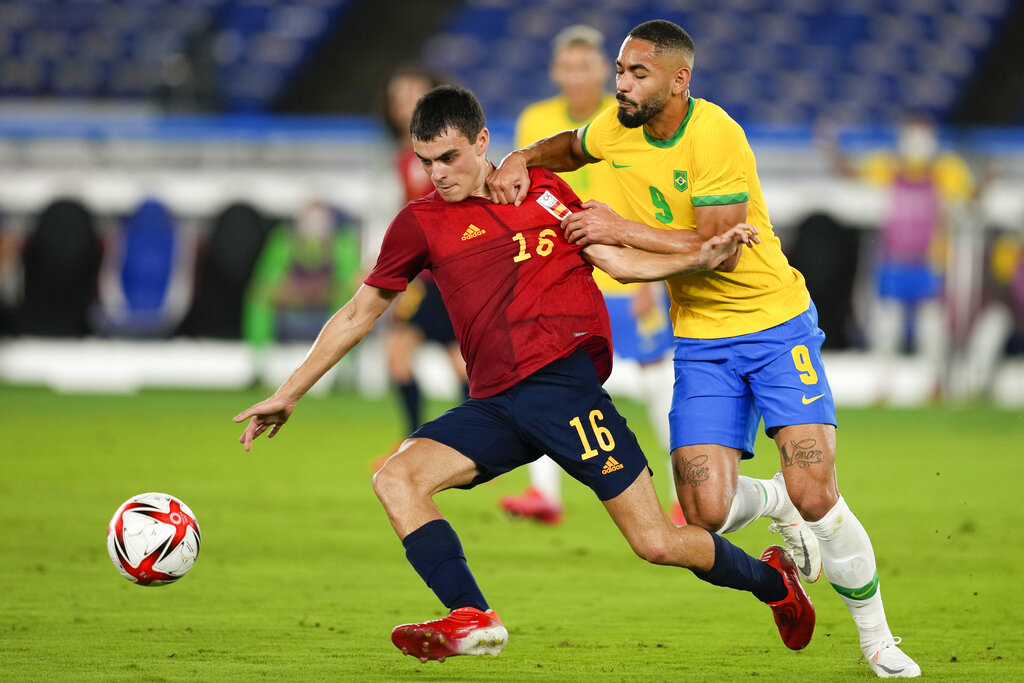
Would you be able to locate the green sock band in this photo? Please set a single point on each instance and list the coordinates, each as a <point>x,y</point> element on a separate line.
<point>862,593</point>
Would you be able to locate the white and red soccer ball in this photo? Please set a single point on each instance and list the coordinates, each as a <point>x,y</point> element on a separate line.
<point>153,539</point>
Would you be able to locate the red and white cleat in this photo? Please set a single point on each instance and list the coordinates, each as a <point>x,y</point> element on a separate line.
<point>794,614</point>
<point>534,504</point>
<point>466,631</point>
<point>676,514</point>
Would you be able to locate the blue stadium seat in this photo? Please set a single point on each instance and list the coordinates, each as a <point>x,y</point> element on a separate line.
<point>118,48</point>
<point>750,53</point>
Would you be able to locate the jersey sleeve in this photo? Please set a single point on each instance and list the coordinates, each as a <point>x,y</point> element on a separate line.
<point>595,133</point>
<point>403,253</point>
<point>720,166</point>
<point>954,178</point>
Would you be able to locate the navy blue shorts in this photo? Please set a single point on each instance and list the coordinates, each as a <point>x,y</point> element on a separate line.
<point>425,310</point>
<point>562,411</point>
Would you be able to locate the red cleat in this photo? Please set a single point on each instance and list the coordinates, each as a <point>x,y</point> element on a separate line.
<point>533,503</point>
<point>378,462</point>
<point>466,631</point>
<point>794,614</point>
<point>676,514</point>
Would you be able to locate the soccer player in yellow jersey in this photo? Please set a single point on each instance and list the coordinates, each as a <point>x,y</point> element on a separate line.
<point>641,329</point>
<point>747,339</point>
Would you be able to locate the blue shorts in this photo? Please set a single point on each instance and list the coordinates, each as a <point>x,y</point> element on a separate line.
<point>908,282</point>
<point>561,410</point>
<point>724,386</point>
<point>646,340</point>
<point>424,309</point>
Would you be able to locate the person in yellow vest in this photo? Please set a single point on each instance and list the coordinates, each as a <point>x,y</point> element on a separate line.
<point>747,342</point>
<point>924,184</point>
<point>641,327</point>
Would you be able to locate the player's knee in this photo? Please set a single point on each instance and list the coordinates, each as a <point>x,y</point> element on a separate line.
<point>392,481</point>
<point>814,503</point>
<point>705,514</point>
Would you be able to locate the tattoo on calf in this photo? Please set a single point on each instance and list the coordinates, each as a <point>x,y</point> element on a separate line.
<point>804,453</point>
<point>693,471</point>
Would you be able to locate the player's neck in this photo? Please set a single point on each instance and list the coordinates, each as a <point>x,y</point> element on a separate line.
<point>480,189</point>
<point>667,122</point>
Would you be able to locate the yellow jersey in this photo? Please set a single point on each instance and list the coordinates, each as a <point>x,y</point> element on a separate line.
<point>593,181</point>
<point>950,173</point>
<point>707,162</point>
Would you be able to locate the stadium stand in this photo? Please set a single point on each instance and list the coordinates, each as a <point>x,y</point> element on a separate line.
<point>126,49</point>
<point>790,62</point>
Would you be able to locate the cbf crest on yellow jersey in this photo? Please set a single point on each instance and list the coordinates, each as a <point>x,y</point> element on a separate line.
<point>707,162</point>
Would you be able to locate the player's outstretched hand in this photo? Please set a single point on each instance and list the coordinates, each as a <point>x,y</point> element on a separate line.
<point>509,183</point>
<point>721,252</point>
<point>269,414</point>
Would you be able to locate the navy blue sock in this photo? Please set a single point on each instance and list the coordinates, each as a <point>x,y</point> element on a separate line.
<point>733,568</point>
<point>409,393</point>
<point>435,553</point>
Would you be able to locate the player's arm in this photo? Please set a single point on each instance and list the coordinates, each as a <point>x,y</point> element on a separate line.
<point>637,265</point>
<point>598,224</point>
<point>343,331</point>
<point>718,220</point>
<point>510,181</point>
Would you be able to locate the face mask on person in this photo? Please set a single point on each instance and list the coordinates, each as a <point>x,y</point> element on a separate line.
<point>917,143</point>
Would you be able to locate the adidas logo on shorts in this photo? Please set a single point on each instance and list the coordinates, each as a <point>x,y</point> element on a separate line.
<point>610,465</point>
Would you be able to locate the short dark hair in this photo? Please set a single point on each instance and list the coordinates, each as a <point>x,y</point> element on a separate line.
<point>447,107</point>
<point>665,36</point>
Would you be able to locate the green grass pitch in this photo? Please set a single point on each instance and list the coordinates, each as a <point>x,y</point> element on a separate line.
<point>301,578</point>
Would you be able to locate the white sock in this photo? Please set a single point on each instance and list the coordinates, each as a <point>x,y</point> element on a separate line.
<point>849,564</point>
<point>754,498</point>
<point>656,381</point>
<point>546,477</point>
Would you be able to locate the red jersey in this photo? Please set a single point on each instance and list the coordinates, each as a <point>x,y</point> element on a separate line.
<point>519,295</point>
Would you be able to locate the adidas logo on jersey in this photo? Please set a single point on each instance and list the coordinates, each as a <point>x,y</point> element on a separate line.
<point>472,231</point>
<point>610,465</point>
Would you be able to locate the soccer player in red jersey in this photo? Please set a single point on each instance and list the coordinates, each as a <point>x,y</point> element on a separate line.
<point>532,326</point>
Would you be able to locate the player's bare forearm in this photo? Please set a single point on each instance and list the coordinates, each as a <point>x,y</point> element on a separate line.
<point>599,224</point>
<point>559,152</point>
<point>510,181</point>
<point>343,331</point>
<point>638,265</point>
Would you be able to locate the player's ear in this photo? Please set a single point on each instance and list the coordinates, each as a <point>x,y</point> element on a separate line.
<point>483,139</point>
<point>681,80</point>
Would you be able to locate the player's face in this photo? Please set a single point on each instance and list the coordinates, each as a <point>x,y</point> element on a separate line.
<point>644,82</point>
<point>456,166</point>
<point>579,71</point>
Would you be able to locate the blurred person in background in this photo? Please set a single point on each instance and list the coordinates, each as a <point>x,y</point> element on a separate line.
<point>641,329</point>
<point>923,183</point>
<point>10,276</point>
<point>998,329</point>
<point>307,269</point>
<point>419,314</point>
